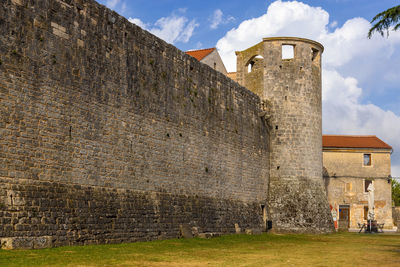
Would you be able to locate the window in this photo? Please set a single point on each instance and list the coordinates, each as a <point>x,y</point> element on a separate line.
<point>367,159</point>
<point>314,53</point>
<point>287,51</point>
<point>250,66</point>
<point>215,65</point>
<point>347,187</point>
<point>366,184</point>
<point>365,212</point>
<point>254,62</point>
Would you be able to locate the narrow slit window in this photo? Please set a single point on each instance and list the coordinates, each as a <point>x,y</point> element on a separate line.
<point>314,53</point>
<point>287,51</point>
<point>347,187</point>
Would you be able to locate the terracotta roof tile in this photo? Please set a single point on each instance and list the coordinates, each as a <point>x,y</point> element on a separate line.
<point>353,141</point>
<point>200,54</point>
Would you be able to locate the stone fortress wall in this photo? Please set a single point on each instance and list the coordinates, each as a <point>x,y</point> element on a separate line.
<point>109,134</point>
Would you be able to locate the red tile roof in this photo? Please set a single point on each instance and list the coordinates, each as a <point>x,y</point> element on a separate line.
<point>200,54</point>
<point>353,141</point>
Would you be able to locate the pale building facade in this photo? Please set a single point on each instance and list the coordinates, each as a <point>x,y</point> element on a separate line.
<point>210,57</point>
<point>351,163</point>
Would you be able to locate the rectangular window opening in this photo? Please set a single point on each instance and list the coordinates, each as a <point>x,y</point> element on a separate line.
<point>367,159</point>
<point>348,187</point>
<point>287,51</point>
<point>366,184</point>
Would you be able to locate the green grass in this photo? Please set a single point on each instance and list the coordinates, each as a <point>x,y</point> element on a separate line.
<point>344,249</point>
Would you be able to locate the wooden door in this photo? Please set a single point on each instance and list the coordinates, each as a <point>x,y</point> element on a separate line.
<point>344,217</point>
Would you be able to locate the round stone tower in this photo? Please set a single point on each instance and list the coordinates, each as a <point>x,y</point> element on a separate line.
<point>286,73</point>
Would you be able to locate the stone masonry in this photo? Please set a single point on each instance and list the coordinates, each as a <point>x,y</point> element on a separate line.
<point>108,134</point>
<point>291,91</point>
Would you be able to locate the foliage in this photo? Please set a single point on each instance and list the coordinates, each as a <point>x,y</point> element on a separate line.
<point>396,192</point>
<point>343,249</point>
<point>384,20</point>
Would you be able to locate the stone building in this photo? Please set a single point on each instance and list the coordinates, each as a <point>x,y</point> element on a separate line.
<point>210,57</point>
<point>351,163</point>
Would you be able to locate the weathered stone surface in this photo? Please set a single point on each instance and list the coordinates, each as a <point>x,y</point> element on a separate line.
<point>186,231</point>
<point>26,242</point>
<point>108,134</point>
<point>80,214</point>
<point>238,230</point>
<point>253,231</point>
<point>209,235</point>
<point>291,90</point>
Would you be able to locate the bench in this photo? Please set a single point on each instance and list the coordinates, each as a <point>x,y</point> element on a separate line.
<point>362,226</point>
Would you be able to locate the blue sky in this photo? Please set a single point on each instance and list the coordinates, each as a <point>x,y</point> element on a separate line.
<point>150,11</point>
<point>361,77</point>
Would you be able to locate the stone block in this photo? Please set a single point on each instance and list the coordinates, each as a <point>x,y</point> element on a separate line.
<point>205,235</point>
<point>253,231</point>
<point>238,230</point>
<point>185,231</point>
<point>17,243</point>
<point>17,2</point>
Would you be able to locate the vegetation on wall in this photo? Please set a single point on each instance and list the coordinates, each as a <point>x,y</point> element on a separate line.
<point>396,192</point>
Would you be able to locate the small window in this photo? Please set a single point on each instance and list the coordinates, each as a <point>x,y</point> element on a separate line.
<point>250,66</point>
<point>314,53</point>
<point>287,51</point>
<point>366,184</point>
<point>365,212</point>
<point>255,61</point>
<point>215,65</point>
<point>347,187</point>
<point>367,159</point>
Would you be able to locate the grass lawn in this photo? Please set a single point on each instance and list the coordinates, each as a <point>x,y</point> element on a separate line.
<point>344,249</point>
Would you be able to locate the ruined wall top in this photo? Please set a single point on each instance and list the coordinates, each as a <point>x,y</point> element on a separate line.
<point>294,39</point>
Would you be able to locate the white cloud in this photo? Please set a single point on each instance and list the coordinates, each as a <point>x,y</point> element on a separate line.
<point>349,59</point>
<point>138,22</point>
<point>174,29</point>
<point>112,3</point>
<point>396,171</point>
<point>333,24</point>
<point>171,29</point>
<point>117,5</point>
<point>199,45</point>
<point>123,7</point>
<point>218,18</point>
